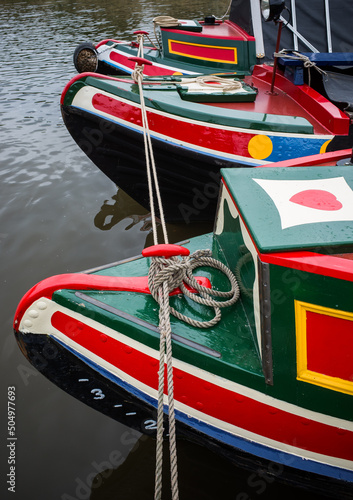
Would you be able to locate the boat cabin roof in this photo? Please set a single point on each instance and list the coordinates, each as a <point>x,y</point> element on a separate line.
<point>287,209</point>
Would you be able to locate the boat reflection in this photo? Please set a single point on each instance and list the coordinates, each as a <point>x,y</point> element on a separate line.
<point>122,207</point>
<point>202,474</point>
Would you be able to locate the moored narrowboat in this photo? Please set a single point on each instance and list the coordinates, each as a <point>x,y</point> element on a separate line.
<point>268,385</point>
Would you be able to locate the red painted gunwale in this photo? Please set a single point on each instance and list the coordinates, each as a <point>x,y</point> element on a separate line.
<point>103,42</point>
<point>320,160</point>
<point>81,281</point>
<point>153,70</point>
<point>264,103</point>
<point>212,399</point>
<point>84,75</point>
<point>304,101</point>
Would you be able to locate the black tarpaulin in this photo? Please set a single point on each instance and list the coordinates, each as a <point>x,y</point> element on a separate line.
<point>339,89</point>
<point>311,23</point>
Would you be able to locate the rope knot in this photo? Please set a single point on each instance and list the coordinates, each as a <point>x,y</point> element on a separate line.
<point>176,272</point>
<point>137,74</point>
<point>171,271</point>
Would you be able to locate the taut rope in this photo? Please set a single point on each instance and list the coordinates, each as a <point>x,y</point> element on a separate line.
<point>166,274</point>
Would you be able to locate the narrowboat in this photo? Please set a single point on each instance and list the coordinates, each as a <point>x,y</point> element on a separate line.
<point>253,112</point>
<point>270,384</point>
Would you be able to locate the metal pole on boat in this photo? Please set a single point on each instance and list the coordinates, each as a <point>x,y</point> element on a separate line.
<point>280,24</point>
<point>257,28</point>
<point>294,21</point>
<point>328,26</point>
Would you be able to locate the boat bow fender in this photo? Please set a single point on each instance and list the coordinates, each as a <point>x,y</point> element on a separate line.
<point>81,281</point>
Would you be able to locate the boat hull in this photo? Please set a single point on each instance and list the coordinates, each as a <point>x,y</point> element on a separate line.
<point>191,141</point>
<point>268,385</point>
<point>188,179</point>
<point>111,395</point>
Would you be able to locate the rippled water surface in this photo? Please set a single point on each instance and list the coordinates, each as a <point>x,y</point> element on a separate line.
<point>58,214</point>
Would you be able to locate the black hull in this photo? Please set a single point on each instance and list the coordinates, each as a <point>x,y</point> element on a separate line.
<point>88,383</point>
<point>188,180</point>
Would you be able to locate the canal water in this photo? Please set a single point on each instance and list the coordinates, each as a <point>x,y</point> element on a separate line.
<point>59,214</point>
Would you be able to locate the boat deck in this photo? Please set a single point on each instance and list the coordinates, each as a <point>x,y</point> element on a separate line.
<point>286,102</point>
<point>288,109</point>
<point>227,348</point>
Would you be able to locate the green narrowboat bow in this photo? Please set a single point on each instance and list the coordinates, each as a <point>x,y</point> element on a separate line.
<point>268,385</point>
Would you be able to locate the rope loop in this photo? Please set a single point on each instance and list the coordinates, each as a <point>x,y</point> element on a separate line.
<point>307,63</point>
<point>225,84</point>
<point>177,272</point>
<point>166,21</point>
<point>137,73</point>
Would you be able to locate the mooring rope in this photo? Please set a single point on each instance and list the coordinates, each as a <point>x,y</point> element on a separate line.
<point>140,40</point>
<point>307,63</point>
<point>166,274</point>
<point>228,10</point>
<point>137,75</point>
<point>177,272</point>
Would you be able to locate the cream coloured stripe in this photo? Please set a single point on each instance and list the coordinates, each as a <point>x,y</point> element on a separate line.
<point>41,324</point>
<point>80,100</point>
<point>39,317</point>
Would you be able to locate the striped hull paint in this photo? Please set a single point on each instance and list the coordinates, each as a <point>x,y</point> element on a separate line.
<point>232,414</point>
<point>188,152</point>
<point>119,61</point>
<point>225,142</point>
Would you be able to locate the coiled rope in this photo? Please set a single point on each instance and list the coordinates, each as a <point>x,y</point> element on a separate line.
<point>214,81</point>
<point>164,22</point>
<point>307,63</point>
<point>166,275</point>
<point>178,271</point>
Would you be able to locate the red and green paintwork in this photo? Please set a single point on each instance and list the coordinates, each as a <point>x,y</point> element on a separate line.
<point>290,280</point>
<point>276,371</point>
<point>271,128</point>
<point>191,48</point>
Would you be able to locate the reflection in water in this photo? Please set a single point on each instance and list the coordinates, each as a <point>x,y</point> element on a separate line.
<point>202,475</point>
<point>123,207</point>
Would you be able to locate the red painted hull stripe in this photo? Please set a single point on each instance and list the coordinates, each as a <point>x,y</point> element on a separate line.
<point>148,70</point>
<point>211,399</point>
<point>225,141</point>
<point>82,281</point>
